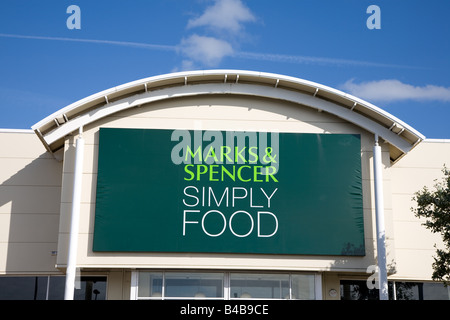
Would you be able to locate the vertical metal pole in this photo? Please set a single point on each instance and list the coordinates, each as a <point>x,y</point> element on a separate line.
<point>134,285</point>
<point>379,212</point>
<point>75,219</point>
<point>318,286</point>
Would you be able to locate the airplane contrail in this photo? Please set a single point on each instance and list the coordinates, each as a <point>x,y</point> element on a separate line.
<point>280,58</point>
<point>110,42</point>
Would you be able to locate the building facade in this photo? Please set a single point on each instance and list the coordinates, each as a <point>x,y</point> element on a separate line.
<point>219,184</point>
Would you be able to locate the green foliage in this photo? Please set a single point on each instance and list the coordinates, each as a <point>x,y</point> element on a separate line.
<point>434,206</point>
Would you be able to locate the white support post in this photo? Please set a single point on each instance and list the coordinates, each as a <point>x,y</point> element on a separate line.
<point>379,212</point>
<point>134,285</point>
<point>318,286</point>
<point>75,219</point>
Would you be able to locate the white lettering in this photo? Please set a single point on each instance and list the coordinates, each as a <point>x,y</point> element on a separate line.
<point>374,21</point>
<point>251,200</point>
<point>259,224</point>
<point>372,281</point>
<point>74,21</point>
<point>266,222</point>
<point>211,194</point>
<point>229,222</point>
<point>192,196</point>
<point>268,198</point>
<point>224,223</point>
<point>236,197</point>
<point>251,220</point>
<point>185,221</point>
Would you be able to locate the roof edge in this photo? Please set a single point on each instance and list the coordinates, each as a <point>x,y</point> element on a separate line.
<point>183,78</point>
<point>7,130</point>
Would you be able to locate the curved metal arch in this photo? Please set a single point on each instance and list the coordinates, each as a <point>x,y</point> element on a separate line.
<point>55,127</point>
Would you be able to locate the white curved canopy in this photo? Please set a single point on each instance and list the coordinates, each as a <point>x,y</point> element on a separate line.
<point>53,129</point>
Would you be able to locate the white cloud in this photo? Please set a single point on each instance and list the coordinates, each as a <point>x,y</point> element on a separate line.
<point>224,15</point>
<point>226,19</point>
<point>395,90</point>
<point>207,51</point>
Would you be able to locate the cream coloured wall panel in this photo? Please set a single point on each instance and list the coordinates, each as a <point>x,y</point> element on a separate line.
<point>28,172</point>
<point>240,110</point>
<point>369,195</point>
<point>3,256</point>
<point>89,186</point>
<point>414,264</point>
<point>30,258</point>
<point>20,145</point>
<point>90,158</point>
<point>402,204</point>
<point>32,228</point>
<point>30,199</point>
<point>4,227</point>
<point>420,157</point>
<point>411,180</point>
<point>217,124</point>
<point>414,243</point>
<point>367,161</point>
<point>119,285</point>
<point>413,235</point>
<point>30,194</point>
<point>229,107</point>
<point>86,219</point>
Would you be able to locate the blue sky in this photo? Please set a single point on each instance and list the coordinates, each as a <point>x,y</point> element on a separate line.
<point>403,67</point>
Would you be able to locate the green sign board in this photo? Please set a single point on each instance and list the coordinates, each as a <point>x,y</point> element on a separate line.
<point>228,192</point>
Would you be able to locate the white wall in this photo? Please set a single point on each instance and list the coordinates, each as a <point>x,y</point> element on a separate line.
<point>30,191</point>
<point>414,244</point>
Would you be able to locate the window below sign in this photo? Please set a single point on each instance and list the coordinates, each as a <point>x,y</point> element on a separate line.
<point>223,285</point>
<point>259,286</point>
<point>398,290</point>
<point>50,288</point>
